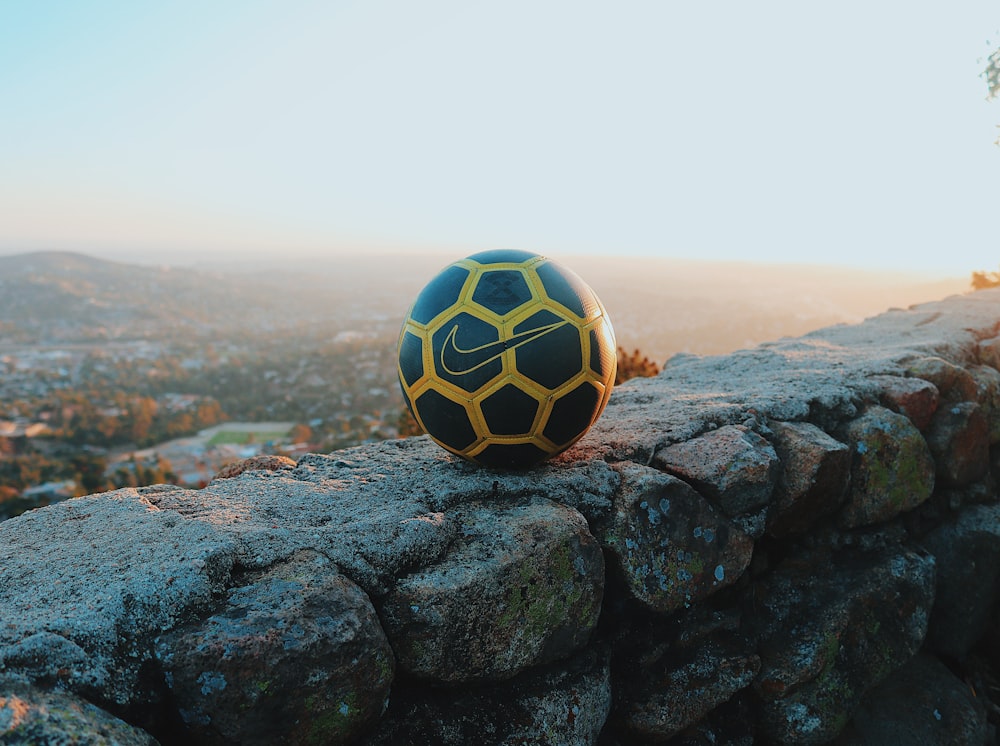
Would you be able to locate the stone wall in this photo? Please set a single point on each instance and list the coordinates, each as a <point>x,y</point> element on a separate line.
<point>795,544</point>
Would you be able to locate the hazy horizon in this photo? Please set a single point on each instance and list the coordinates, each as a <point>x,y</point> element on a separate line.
<point>431,257</point>
<point>661,306</point>
<point>846,134</point>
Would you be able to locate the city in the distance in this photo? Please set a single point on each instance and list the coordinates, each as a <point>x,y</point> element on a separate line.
<point>115,374</point>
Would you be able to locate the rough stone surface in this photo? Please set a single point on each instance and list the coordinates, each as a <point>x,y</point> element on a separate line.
<point>834,626</point>
<point>295,655</point>
<point>667,695</point>
<point>967,556</point>
<point>914,398</point>
<point>922,703</point>
<point>958,439</point>
<point>821,377</point>
<point>440,480</point>
<point>30,716</point>
<point>891,471</point>
<point>270,515</point>
<point>108,598</point>
<point>812,480</point>
<point>733,467</point>
<point>560,704</point>
<point>988,395</point>
<point>669,545</point>
<point>953,381</point>
<point>116,572</point>
<point>988,352</point>
<point>521,586</point>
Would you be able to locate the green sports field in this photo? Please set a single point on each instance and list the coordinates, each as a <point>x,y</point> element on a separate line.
<point>240,437</point>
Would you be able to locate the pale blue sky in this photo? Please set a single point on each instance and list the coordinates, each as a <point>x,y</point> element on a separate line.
<point>830,132</point>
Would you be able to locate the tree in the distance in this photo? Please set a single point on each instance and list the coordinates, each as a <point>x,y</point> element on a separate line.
<point>991,74</point>
<point>982,280</point>
<point>634,365</point>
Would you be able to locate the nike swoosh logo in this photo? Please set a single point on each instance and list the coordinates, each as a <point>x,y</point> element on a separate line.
<point>471,359</point>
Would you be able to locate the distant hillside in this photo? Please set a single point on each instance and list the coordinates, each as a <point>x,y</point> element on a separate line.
<point>64,296</point>
<point>67,296</point>
<point>662,306</point>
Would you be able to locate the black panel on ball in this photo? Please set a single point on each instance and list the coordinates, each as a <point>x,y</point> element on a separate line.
<point>572,414</point>
<point>511,455</point>
<point>568,290</point>
<point>509,411</point>
<point>603,354</point>
<point>554,355</point>
<point>441,293</point>
<point>445,420</point>
<point>501,291</point>
<point>498,256</point>
<point>467,352</point>
<point>411,358</point>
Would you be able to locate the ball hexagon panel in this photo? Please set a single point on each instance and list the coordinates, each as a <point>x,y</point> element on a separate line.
<point>440,294</point>
<point>511,455</point>
<point>468,351</point>
<point>603,351</point>
<point>509,411</point>
<point>446,418</point>
<point>573,413</point>
<point>501,291</point>
<point>411,358</point>
<point>548,349</point>
<point>568,290</point>
<point>506,358</point>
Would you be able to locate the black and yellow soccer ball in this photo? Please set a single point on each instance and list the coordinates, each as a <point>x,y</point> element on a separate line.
<point>506,358</point>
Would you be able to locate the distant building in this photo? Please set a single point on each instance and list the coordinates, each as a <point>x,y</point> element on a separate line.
<point>62,489</point>
<point>10,429</point>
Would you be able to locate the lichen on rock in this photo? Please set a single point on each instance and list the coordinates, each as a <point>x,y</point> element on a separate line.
<point>892,470</point>
<point>522,586</point>
<point>670,546</point>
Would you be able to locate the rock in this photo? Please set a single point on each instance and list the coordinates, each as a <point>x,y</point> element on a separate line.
<point>921,703</point>
<point>958,439</point>
<point>988,385</point>
<point>732,724</point>
<point>891,467</point>
<point>116,572</point>
<point>660,698</point>
<point>967,555</point>
<point>813,477</point>
<point>562,704</point>
<point>372,536</point>
<point>912,397</point>
<point>255,463</point>
<point>669,545</point>
<point>989,352</point>
<point>831,627</point>
<point>295,655</point>
<point>522,586</point>
<point>733,467</point>
<point>116,597</point>
<point>953,382</point>
<point>30,716</point>
<point>426,473</point>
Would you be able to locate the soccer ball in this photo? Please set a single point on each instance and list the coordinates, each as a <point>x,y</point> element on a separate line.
<point>506,358</point>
